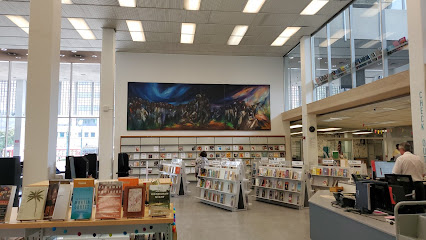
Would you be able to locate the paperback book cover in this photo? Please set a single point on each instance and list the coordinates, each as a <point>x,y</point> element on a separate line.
<point>7,195</point>
<point>82,203</point>
<point>52,195</point>
<point>129,181</point>
<point>109,199</point>
<point>134,202</point>
<point>62,204</point>
<point>32,203</point>
<point>159,200</point>
<point>84,182</point>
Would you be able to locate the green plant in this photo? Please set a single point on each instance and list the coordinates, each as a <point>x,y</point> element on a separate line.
<point>37,197</point>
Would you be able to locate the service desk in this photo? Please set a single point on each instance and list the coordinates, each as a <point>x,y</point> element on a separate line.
<point>329,223</point>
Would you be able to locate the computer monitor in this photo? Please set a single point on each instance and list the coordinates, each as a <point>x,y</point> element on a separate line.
<point>10,174</point>
<point>380,197</point>
<point>383,168</point>
<point>76,167</point>
<point>405,181</point>
<point>93,165</point>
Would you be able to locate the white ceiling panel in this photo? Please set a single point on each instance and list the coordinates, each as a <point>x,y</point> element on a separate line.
<point>233,6</point>
<point>12,32</point>
<point>176,4</point>
<point>197,16</point>
<point>270,19</point>
<point>211,5</point>
<point>284,6</point>
<point>96,2</point>
<point>15,8</point>
<point>231,18</point>
<point>216,29</point>
<point>162,37</point>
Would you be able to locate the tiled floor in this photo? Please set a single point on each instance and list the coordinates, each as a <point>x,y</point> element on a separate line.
<point>198,221</point>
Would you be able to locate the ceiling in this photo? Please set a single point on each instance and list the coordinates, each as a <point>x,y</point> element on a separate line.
<point>162,20</point>
<point>381,115</point>
<point>65,56</point>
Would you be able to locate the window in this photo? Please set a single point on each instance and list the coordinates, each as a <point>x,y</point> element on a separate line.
<point>61,134</point>
<point>78,110</point>
<point>13,81</point>
<point>293,79</point>
<point>320,62</point>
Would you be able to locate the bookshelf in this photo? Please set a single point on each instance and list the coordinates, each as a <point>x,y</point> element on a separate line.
<point>145,152</point>
<point>281,184</point>
<point>222,184</point>
<point>176,171</point>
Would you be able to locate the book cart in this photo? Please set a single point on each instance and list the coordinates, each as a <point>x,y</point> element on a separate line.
<point>324,177</point>
<point>222,184</point>
<point>279,183</point>
<point>176,171</point>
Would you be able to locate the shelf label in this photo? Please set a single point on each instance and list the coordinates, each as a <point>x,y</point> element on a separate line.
<point>297,163</point>
<point>355,162</point>
<point>328,161</point>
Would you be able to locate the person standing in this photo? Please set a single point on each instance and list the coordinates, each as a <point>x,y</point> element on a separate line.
<point>396,152</point>
<point>200,162</point>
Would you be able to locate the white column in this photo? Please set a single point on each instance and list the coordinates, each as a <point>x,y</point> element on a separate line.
<point>287,134</point>
<point>19,136</point>
<point>310,149</point>
<point>416,14</point>
<point>42,90</point>
<point>106,121</point>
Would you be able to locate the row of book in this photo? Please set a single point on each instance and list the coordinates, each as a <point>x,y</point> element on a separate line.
<point>220,198</point>
<point>216,185</point>
<point>148,156</point>
<point>280,173</point>
<point>330,171</point>
<point>224,173</point>
<point>52,202</point>
<point>278,196</point>
<point>205,148</point>
<point>143,163</point>
<point>170,168</point>
<point>279,184</point>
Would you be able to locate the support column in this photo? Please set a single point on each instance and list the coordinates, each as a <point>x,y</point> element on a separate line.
<point>416,14</point>
<point>19,136</point>
<point>287,134</point>
<point>310,149</point>
<point>42,90</point>
<point>106,115</point>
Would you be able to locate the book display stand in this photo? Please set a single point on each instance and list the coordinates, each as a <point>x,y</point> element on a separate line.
<point>281,184</point>
<point>222,185</point>
<point>145,153</point>
<point>176,171</point>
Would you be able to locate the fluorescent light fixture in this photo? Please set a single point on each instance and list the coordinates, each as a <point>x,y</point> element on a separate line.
<point>82,28</point>
<point>296,126</point>
<point>127,3</point>
<point>187,33</point>
<point>20,22</point>
<point>328,129</point>
<point>314,7</point>
<point>253,6</point>
<point>369,44</point>
<point>192,4</point>
<point>285,35</point>
<point>237,35</point>
<point>66,2</point>
<point>296,133</point>
<point>361,133</point>
<point>136,30</point>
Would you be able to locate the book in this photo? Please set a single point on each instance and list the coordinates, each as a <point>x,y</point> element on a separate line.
<point>82,203</point>
<point>52,195</point>
<point>290,198</point>
<point>299,186</point>
<point>159,200</point>
<point>84,182</point>
<point>129,181</point>
<point>32,203</point>
<point>109,199</point>
<point>134,202</point>
<point>7,196</point>
<point>286,186</point>
<point>62,202</point>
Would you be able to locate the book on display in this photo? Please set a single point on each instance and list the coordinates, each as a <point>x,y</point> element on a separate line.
<point>32,203</point>
<point>52,195</point>
<point>62,204</point>
<point>109,199</point>
<point>134,202</point>
<point>7,195</point>
<point>82,202</point>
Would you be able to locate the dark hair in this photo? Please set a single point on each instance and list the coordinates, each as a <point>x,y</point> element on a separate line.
<point>203,154</point>
<point>397,146</point>
<point>406,146</point>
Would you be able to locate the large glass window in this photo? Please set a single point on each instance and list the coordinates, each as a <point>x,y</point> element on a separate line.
<point>293,79</point>
<point>13,81</point>
<point>320,62</point>
<point>78,111</point>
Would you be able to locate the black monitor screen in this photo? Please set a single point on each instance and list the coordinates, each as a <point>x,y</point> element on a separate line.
<point>81,167</point>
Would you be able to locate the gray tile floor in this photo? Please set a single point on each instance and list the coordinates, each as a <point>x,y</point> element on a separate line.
<point>199,221</point>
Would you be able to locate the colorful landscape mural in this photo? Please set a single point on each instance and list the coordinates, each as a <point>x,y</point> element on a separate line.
<point>171,106</point>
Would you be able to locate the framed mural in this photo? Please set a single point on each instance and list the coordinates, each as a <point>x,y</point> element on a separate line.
<point>174,106</point>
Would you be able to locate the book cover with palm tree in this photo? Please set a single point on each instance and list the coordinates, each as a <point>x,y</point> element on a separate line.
<point>32,203</point>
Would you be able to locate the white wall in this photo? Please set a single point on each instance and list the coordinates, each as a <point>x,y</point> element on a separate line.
<point>170,68</point>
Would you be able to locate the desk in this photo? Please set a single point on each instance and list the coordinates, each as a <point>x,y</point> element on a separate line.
<point>329,223</point>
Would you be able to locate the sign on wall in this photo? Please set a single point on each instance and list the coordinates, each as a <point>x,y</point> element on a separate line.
<point>174,106</point>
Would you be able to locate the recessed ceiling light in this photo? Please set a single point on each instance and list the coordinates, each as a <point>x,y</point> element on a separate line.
<point>237,34</point>
<point>296,126</point>
<point>328,129</point>
<point>296,133</point>
<point>253,6</point>
<point>4,49</point>
<point>192,4</point>
<point>66,2</point>
<point>82,59</point>
<point>20,22</point>
<point>62,55</point>
<point>127,3</point>
<point>136,30</point>
<point>291,57</point>
<point>73,51</point>
<point>26,54</point>
<point>361,133</point>
<point>18,57</point>
<point>314,7</point>
<point>82,28</point>
<point>94,56</point>
<point>187,33</point>
<point>285,35</point>
<point>319,58</point>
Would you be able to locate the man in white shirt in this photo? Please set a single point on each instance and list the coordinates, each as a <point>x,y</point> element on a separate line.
<point>408,163</point>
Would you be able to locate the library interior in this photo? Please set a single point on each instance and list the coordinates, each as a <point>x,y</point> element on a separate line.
<point>212,119</point>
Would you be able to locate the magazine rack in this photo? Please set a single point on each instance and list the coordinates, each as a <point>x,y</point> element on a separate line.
<point>222,184</point>
<point>281,184</point>
<point>176,171</point>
